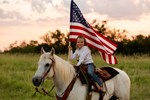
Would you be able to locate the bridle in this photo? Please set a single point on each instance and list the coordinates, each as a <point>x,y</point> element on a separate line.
<point>43,78</point>
<point>51,66</point>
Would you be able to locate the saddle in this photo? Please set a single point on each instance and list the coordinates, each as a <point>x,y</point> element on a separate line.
<point>104,73</point>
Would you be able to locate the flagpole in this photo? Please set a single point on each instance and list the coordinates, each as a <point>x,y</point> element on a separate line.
<point>69,49</point>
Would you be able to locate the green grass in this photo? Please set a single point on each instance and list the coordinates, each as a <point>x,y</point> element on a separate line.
<point>16,73</point>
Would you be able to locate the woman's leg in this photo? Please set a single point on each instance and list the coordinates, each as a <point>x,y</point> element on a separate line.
<point>90,70</point>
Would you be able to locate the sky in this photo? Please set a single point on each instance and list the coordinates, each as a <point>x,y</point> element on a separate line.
<point>25,20</point>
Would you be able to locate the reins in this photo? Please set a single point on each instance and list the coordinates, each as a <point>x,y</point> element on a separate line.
<point>44,92</point>
<point>68,90</point>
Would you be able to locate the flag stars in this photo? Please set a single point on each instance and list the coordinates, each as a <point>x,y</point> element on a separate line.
<point>77,16</point>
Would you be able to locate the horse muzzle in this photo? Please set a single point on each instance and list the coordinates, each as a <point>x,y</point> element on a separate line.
<point>37,81</point>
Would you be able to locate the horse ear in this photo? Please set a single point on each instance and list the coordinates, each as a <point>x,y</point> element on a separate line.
<point>42,50</point>
<point>52,51</point>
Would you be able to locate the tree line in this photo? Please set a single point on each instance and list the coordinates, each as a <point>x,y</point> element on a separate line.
<point>138,44</point>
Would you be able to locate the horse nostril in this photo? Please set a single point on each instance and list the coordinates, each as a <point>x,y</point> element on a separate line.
<point>36,81</point>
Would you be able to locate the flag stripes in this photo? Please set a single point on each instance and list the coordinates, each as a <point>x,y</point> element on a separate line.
<point>110,59</point>
<point>101,43</point>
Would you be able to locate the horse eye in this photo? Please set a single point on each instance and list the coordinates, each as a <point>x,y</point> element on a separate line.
<point>47,64</point>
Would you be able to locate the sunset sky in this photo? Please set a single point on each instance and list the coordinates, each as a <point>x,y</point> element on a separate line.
<point>30,19</point>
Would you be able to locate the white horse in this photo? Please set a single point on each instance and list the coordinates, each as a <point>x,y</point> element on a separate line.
<point>62,74</point>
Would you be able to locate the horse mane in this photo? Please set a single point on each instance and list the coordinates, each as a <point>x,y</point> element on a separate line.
<point>64,68</point>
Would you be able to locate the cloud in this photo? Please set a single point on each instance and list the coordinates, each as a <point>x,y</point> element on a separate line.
<point>2,15</point>
<point>10,18</point>
<point>116,9</point>
<point>145,5</point>
<point>38,5</point>
<point>27,11</point>
<point>5,2</point>
<point>10,15</point>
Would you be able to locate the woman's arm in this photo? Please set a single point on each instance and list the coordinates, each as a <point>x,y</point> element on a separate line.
<point>73,55</point>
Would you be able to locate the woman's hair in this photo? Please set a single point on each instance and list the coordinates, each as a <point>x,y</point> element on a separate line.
<point>82,37</point>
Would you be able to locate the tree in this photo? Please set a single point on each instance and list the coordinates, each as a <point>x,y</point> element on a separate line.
<point>56,39</point>
<point>114,35</point>
<point>33,43</point>
<point>47,38</point>
<point>12,45</point>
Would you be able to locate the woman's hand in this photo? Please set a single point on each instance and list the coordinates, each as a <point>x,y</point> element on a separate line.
<point>70,47</point>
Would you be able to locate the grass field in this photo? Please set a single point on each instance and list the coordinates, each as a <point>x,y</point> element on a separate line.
<point>16,73</point>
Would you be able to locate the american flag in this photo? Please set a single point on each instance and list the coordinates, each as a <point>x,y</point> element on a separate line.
<point>79,26</point>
